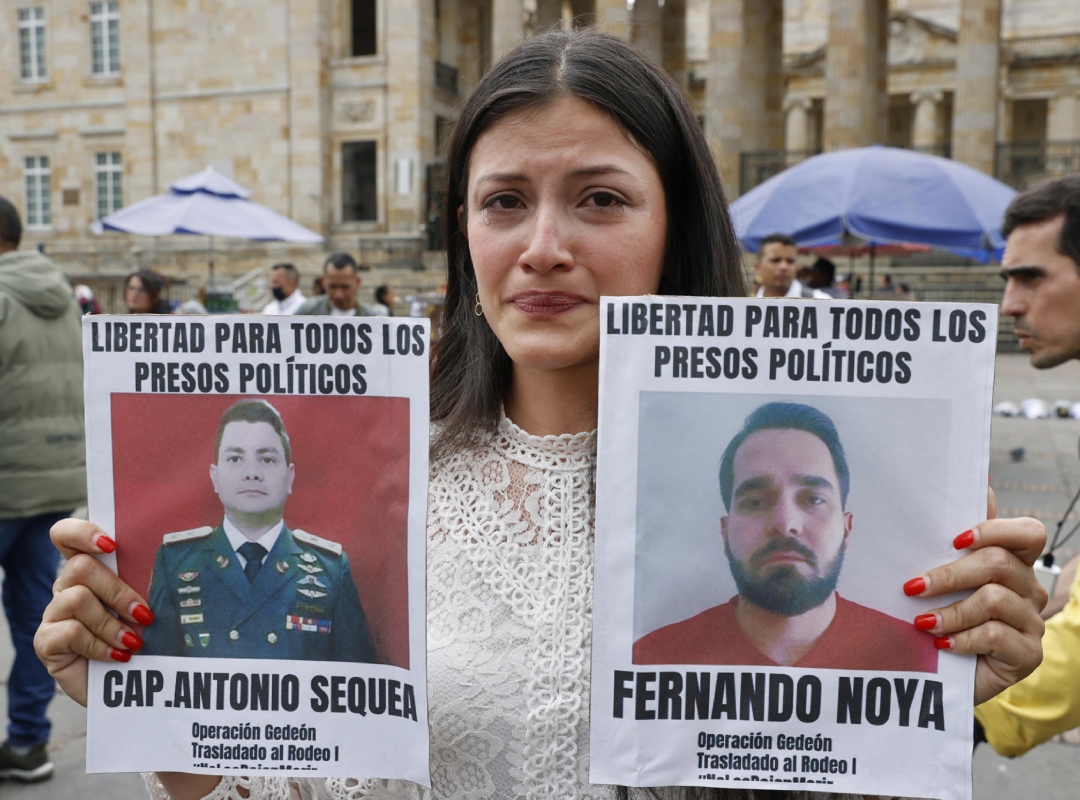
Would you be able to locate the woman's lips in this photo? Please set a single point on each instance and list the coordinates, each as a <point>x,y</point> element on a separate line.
<point>545,304</point>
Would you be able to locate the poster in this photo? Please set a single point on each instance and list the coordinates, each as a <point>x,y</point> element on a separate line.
<point>771,474</point>
<point>307,438</point>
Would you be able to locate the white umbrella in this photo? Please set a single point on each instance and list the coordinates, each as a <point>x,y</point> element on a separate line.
<point>206,204</point>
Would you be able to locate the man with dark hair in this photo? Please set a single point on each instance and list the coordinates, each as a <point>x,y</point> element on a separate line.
<point>285,286</point>
<point>823,278</point>
<point>42,472</point>
<point>340,281</point>
<point>784,480</point>
<point>1041,267</point>
<point>251,587</point>
<point>776,266</point>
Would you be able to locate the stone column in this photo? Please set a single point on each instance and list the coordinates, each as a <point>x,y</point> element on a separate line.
<point>744,82</point>
<point>507,26</point>
<point>978,52</point>
<point>548,14</point>
<point>797,108</point>
<point>674,50</point>
<point>583,12</point>
<point>310,201</point>
<point>647,28</point>
<point>856,98</point>
<point>1063,116</point>
<point>140,135</point>
<point>612,16</point>
<point>926,130</point>
<point>410,115</point>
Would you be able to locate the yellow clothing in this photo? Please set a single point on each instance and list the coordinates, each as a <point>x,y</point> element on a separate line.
<point>1047,702</point>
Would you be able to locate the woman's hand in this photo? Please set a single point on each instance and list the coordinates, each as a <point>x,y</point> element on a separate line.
<point>77,625</point>
<point>999,622</point>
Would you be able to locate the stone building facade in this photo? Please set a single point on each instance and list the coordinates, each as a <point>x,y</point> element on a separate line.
<point>335,112</point>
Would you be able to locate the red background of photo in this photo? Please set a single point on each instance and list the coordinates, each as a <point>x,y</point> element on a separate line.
<point>352,480</point>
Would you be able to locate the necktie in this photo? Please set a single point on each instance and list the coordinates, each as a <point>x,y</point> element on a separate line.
<point>253,554</point>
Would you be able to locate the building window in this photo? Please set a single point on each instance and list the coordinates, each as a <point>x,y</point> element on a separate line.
<point>38,191</point>
<point>104,39</point>
<point>359,196</point>
<point>32,43</point>
<point>363,28</point>
<point>108,185</point>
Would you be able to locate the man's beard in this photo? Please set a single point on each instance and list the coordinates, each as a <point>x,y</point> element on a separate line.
<point>785,591</point>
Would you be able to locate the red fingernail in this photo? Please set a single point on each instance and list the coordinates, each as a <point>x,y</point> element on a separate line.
<point>123,656</point>
<point>964,540</point>
<point>924,622</point>
<point>105,543</point>
<point>915,586</point>
<point>943,643</point>
<point>132,641</point>
<point>142,614</point>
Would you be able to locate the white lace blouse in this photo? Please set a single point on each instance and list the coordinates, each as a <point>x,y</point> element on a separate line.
<point>510,561</point>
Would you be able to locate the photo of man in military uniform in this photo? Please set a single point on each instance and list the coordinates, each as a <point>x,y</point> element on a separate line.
<point>251,587</point>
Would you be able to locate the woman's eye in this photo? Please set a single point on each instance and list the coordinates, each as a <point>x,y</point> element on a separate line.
<point>605,200</point>
<point>503,202</point>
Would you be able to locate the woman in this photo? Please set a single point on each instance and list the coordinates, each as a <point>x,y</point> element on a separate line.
<point>142,293</point>
<point>576,170</point>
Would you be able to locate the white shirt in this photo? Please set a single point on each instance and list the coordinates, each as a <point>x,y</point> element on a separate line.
<point>337,312</point>
<point>290,305</point>
<point>796,290</point>
<point>236,538</point>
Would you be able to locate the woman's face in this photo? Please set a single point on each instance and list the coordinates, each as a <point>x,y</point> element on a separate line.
<point>562,207</point>
<point>137,297</point>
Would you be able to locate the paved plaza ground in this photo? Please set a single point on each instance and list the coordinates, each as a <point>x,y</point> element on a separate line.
<point>1040,484</point>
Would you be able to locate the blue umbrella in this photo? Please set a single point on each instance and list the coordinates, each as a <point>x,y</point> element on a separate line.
<point>206,204</point>
<point>882,195</point>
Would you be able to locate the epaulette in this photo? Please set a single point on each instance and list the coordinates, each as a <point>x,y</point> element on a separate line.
<point>187,536</point>
<point>317,541</point>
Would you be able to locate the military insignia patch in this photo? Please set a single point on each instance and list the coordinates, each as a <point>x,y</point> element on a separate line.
<point>222,561</point>
<point>308,557</point>
<point>310,624</point>
<point>190,619</point>
<point>282,566</point>
<point>188,589</point>
<point>187,577</point>
<point>309,569</point>
<point>311,580</point>
<point>311,608</point>
<point>204,639</point>
<point>188,641</point>
<point>314,594</point>
<point>191,602</point>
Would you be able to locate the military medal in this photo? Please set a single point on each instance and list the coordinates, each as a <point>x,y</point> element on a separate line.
<point>312,593</point>
<point>187,577</point>
<point>282,566</point>
<point>192,602</point>
<point>190,619</point>
<point>309,569</point>
<point>188,589</point>
<point>188,641</point>
<point>204,639</point>
<point>308,557</point>
<point>311,580</point>
<point>222,561</point>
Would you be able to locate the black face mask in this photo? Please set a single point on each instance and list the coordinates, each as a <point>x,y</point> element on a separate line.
<point>279,293</point>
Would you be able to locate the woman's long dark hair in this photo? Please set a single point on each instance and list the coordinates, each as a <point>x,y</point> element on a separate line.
<point>471,370</point>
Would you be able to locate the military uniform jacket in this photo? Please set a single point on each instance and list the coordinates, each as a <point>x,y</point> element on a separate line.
<point>303,604</point>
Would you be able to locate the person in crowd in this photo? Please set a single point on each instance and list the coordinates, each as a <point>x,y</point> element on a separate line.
<point>317,289</point>
<point>1041,267</point>
<point>823,278</point>
<point>384,301</point>
<point>576,170</point>
<point>142,293</point>
<point>784,480</point>
<point>340,281</point>
<point>84,296</point>
<point>776,266</point>
<point>42,472</point>
<point>285,286</point>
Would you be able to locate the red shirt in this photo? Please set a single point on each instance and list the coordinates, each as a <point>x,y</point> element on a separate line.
<point>857,638</point>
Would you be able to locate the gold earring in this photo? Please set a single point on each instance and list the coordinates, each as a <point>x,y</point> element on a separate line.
<point>478,309</point>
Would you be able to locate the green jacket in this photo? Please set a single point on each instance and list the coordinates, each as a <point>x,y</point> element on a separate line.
<point>42,438</point>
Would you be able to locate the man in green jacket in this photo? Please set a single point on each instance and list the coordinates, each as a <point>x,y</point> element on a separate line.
<point>42,472</point>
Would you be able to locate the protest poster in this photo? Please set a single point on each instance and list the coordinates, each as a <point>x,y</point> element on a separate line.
<point>308,436</point>
<point>769,475</point>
